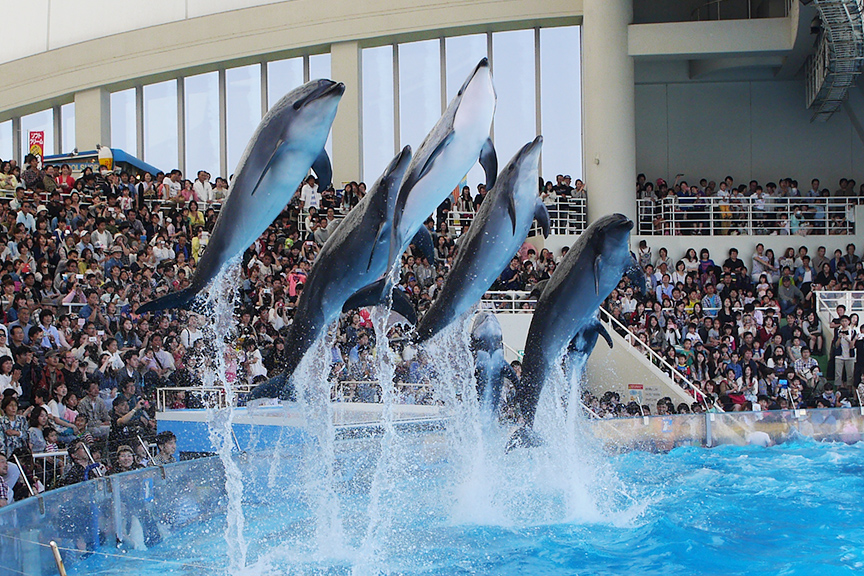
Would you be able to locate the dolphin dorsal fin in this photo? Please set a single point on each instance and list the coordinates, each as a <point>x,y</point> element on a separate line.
<point>323,170</point>
<point>489,162</point>
<point>541,214</point>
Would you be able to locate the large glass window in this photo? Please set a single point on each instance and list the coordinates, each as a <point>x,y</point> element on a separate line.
<point>282,77</point>
<point>202,124</point>
<point>160,125</point>
<point>243,101</point>
<point>67,123</point>
<point>378,120</point>
<point>462,53</point>
<point>419,90</point>
<point>124,133</point>
<point>513,68</point>
<point>38,122</point>
<point>6,140</point>
<point>561,101</point>
<point>319,67</point>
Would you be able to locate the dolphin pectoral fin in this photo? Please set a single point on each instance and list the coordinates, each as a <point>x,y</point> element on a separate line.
<point>182,299</point>
<point>511,210</point>
<point>370,295</point>
<point>266,167</point>
<point>423,241</point>
<point>433,156</point>
<point>323,170</point>
<point>541,214</point>
<point>375,245</point>
<point>402,306</point>
<point>597,275</point>
<point>489,162</point>
<point>601,330</point>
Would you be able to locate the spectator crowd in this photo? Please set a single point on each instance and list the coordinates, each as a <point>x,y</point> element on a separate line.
<point>744,335</point>
<point>730,208</point>
<point>80,366</point>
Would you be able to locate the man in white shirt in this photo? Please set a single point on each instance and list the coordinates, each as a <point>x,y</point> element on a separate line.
<point>202,188</point>
<point>101,237</point>
<point>309,196</point>
<point>25,216</point>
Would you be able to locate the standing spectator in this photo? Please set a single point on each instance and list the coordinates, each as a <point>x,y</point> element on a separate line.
<point>845,353</point>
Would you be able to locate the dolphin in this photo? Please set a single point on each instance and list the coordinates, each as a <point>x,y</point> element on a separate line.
<point>446,155</point>
<point>356,255</point>
<point>490,367</point>
<point>567,308</point>
<point>287,142</point>
<point>582,345</point>
<point>497,232</point>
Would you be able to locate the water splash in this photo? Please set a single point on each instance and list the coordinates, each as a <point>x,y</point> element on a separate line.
<point>371,552</point>
<point>221,298</point>
<point>318,469</point>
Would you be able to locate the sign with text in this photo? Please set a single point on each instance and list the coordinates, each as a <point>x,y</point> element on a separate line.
<point>36,144</point>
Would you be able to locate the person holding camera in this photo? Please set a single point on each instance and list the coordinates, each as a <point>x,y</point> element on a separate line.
<point>844,346</point>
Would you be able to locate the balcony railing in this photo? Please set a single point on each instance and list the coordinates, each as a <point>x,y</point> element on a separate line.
<point>566,216</point>
<point>747,216</point>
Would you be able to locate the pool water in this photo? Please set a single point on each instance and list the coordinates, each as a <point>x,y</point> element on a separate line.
<point>795,508</point>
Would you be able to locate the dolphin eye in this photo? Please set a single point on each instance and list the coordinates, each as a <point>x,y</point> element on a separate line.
<point>511,167</point>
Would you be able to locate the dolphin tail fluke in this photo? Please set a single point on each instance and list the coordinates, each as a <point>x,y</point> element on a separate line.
<point>524,437</point>
<point>403,306</point>
<point>489,162</point>
<point>371,295</point>
<point>375,294</point>
<point>277,387</point>
<point>541,214</point>
<point>423,241</point>
<point>323,170</point>
<point>182,299</point>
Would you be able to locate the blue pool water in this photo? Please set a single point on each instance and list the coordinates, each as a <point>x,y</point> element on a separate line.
<point>791,509</point>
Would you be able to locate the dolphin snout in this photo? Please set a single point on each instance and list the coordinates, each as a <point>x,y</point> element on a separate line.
<point>324,89</point>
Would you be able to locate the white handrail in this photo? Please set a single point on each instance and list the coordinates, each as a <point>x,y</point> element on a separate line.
<point>744,215</point>
<point>697,394</point>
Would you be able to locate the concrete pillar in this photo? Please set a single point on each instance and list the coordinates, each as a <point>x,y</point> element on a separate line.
<point>92,119</point>
<point>347,128</point>
<point>608,109</point>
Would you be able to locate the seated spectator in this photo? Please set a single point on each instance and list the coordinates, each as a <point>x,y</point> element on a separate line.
<point>166,443</point>
<point>124,460</point>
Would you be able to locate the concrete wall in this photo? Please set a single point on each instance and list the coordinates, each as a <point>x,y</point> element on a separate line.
<point>747,129</point>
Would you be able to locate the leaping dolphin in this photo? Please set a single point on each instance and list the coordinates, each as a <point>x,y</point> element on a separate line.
<point>497,232</point>
<point>490,367</point>
<point>446,155</point>
<point>567,307</point>
<point>287,142</point>
<point>356,255</point>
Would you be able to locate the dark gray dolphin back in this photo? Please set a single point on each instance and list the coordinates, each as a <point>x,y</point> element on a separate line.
<point>568,304</point>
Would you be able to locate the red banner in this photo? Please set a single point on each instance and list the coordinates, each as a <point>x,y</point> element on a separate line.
<point>36,144</point>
